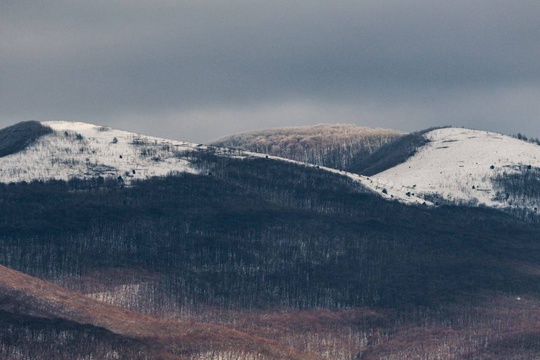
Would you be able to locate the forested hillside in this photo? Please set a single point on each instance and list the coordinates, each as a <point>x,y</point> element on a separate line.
<point>334,146</point>
<point>17,137</point>
<point>257,233</point>
<point>391,154</point>
<point>306,261</point>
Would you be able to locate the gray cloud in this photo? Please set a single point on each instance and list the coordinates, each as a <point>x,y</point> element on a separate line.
<point>204,69</point>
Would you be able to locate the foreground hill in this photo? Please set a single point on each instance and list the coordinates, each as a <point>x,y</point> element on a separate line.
<point>333,146</point>
<point>39,320</point>
<point>35,310</point>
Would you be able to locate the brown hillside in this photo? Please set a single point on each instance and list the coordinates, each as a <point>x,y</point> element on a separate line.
<point>26,295</point>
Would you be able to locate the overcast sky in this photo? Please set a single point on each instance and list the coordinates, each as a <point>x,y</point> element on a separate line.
<point>198,70</point>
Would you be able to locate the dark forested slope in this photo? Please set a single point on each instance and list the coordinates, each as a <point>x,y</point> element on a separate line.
<point>257,233</point>
<point>17,137</point>
<point>389,155</point>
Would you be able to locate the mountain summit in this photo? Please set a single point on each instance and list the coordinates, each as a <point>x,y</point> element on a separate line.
<point>64,150</point>
<point>470,167</point>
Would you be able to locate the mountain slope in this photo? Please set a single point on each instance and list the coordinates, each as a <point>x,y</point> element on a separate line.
<point>389,155</point>
<point>261,245</point>
<point>470,167</point>
<point>260,233</point>
<point>333,146</point>
<point>19,136</point>
<point>35,299</point>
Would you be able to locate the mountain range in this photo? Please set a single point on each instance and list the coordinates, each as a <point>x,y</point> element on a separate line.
<point>329,242</point>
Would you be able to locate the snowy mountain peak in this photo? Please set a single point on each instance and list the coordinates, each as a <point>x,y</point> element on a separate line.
<point>470,167</point>
<point>81,150</point>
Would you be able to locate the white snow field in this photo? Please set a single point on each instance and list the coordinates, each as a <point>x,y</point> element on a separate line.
<point>459,165</point>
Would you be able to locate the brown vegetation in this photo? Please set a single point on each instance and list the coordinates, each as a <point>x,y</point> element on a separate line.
<point>496,327</point>
<point>493,327</point>
<point>23,294</point>
<point>335,146</point>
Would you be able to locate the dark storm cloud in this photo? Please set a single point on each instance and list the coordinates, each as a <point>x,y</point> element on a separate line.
<point>203,69</point>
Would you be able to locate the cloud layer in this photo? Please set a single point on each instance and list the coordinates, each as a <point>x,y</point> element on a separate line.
<point>197,70</point>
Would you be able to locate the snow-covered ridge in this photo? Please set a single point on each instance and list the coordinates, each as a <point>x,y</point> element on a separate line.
<point>460,165</point>
<point>81,150</point>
